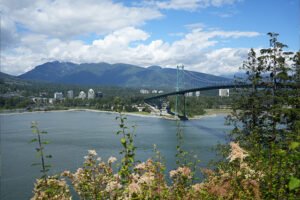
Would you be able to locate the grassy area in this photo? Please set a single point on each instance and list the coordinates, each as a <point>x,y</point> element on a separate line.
<point>217,111</point>
<point>139,113</point>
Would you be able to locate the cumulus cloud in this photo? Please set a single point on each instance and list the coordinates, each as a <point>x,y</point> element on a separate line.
<point>128,45</point>
<point>68,18</point>
<point>34,32</point>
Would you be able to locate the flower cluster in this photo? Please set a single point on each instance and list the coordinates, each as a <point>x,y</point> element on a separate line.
<point>236,152</point>
<point>97,180</point>
<point>51,188</point>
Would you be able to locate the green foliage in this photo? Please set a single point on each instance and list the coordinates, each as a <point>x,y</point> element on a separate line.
<point>15,102</point>
<point>294,183</point>
<point>266,118</point>
<point>128,148</point>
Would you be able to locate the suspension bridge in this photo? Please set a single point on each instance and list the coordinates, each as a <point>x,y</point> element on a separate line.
<point>196,84</point>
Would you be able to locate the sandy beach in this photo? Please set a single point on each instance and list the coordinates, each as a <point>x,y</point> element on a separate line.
<point>209,113</point>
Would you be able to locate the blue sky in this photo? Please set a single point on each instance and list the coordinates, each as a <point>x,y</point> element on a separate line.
<point>211,36</point>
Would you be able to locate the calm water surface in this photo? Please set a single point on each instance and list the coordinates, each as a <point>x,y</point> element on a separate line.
<point>73,133</point>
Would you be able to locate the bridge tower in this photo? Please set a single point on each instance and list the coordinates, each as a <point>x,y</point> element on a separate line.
<point>179,85</point>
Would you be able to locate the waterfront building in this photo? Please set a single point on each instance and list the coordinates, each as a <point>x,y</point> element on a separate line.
<point>70,94</point>
<point>58,96</point>
<point>154,92</point>
<point>160,91</point>
<point>224,92</point>
<point>189,94</point>
<point>197,93</point>
<point>82,95</point>
<point>91,94</point>
<point>143,91</point>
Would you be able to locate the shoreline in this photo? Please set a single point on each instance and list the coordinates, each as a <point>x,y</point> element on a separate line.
<point>210,113</point>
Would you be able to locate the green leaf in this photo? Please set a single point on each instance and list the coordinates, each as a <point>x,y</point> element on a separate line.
<point>35,164</point>
<point>123,140</point>
<point>49,156</point>
<point>294,145</point>
<point>294,183</point>
<point>281,152</point>
<point>46,142</point>
<point>119,132</point>
<point>44,132</point>
<point>33,140</point>
<point>131,159</point>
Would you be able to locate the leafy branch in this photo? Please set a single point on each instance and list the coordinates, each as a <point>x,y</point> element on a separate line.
<point>40,149</point>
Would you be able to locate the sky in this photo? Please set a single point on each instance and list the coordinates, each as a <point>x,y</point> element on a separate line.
<point>210,36</point>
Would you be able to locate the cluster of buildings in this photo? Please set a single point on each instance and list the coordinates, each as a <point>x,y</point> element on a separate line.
<point>91,94</point>
<point>144,91</point>
<point>59,96</point>
<point>222,93</point>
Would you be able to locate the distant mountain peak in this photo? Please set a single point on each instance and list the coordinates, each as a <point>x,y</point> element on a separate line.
<point>154,67</point>
<point>118,74</point>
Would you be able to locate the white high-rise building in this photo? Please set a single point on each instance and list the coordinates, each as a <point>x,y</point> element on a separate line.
<point>58,95</point>
<point>91,94</point>
<point>143,91</point>
<point>82,95</point>
<point>224,92</point>
<point>197,93</point>
<point>189,94</point>
<point>70,94</point>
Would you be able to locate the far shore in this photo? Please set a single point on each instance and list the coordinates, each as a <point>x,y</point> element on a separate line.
<point>209,113</point>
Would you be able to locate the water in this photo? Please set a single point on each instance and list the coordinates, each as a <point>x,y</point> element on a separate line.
<point>73,133</point>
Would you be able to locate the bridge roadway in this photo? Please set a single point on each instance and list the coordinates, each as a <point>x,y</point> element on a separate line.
<point>182,92</point>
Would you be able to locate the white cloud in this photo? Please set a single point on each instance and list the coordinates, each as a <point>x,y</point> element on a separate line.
<point>224,60</point>
<point>8,33</point>
<point>122,37</point>
<point>68,18</point>
<point>34,32</point>
<point>190,5</point>
<point>128,45</point>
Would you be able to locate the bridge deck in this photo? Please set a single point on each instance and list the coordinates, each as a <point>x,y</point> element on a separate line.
<point>182,92</point>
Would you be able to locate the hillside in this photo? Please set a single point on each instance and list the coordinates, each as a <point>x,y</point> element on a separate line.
<point>9,79</point>
<point>111,74</point>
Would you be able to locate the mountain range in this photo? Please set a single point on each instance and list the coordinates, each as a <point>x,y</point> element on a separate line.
<point>119,74</point>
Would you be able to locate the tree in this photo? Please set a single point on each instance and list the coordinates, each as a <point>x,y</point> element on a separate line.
<point>266,118</point>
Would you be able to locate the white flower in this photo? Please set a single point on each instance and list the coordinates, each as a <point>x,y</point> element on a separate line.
<point>185,171</point>
<point>92,152</point>
<point>236,152</point>
<point>198,187</point>
<point>113,185</point>
<point>111,159</point>
<point>134,188</point>
<point>98,159</point>
<point>141,166</point>
<point>173,173</point>
<point>135,177</point>
<point>147,178</point>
